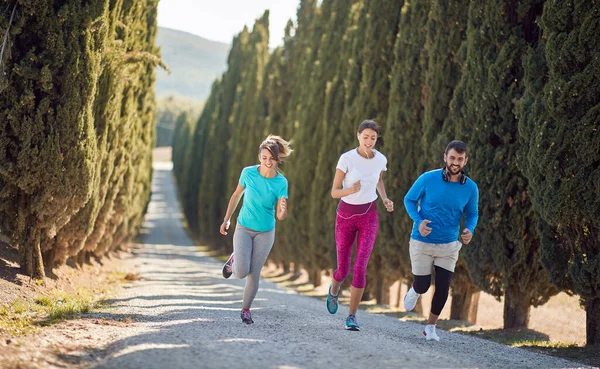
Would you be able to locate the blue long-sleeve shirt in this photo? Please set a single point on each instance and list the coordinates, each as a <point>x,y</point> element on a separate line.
<point>444,203</point>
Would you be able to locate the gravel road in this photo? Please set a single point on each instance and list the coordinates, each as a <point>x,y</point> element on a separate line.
<point>187,316</point>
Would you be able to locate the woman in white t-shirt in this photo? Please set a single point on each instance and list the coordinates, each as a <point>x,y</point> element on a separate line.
<point>358,178</point>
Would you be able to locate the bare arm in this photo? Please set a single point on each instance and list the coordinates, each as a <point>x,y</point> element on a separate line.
<point>389,205</point>
<point>336,188</point>
<point>233,203</point>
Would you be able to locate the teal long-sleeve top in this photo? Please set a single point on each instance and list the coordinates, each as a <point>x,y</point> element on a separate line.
<point>444,203</point>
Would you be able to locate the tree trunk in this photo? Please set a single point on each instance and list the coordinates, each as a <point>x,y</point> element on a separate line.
<point>30,252</point>
<point>49,257</point>
<point>474,307</point>
<point>315,277</point>
<point>462,303</point>
<point>398,294</point>
<point>592,322</point>
<point>516,307</point>
<point>80,258</point>
<point>383,292</point>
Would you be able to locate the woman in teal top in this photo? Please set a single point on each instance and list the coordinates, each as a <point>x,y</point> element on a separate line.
<point>265,190</point>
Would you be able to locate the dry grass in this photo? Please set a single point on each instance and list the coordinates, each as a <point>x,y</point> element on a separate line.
<point>27,304</point>
<point>23,317</point>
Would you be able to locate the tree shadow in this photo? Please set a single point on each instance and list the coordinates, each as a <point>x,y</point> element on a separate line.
<point>8,256</point>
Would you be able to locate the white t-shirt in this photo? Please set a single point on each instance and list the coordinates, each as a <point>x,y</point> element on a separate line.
<point>367,171</point>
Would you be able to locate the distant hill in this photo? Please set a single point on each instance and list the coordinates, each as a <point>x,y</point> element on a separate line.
<point>195,63</point>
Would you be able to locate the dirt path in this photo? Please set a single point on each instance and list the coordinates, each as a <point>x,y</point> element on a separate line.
<point>183,314</point>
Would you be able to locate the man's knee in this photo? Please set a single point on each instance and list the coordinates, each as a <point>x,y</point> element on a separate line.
<point>421,283</point>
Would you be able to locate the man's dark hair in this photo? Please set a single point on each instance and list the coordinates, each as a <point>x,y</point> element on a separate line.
<point>458,146</point>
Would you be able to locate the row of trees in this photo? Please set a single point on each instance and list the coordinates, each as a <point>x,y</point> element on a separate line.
<point>168,110</point>
<point>515,79</point>
<point>76,126</point>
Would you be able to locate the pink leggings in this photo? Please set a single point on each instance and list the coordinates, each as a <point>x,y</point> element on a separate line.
<point>362,226</point>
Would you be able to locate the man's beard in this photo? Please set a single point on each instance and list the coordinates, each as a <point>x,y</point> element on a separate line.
<point>453,171</point>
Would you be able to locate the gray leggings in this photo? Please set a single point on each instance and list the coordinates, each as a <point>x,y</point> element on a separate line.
<point>250,252</point>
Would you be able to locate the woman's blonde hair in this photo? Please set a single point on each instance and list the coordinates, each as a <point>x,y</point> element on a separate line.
<point>277,146</point>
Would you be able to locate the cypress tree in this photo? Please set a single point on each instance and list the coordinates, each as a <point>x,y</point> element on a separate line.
<point>325,40</point>
<point>278,88</point>
<point>180,132</point>
<point>248,124</point>
<point>216,113</point>
<point>281,86</point>
<point>136,63</point>
<point>70,239</point>
<point>145,110</point>
<point>303,56</point>
<point>185,125</point>
<point>129,67</point>
<point>242,124</point>
<point>558,126</point>
<point>245,131</point>
<point>212,186</point>
<point>373,100</point>
<point>404,130</point>
<point>444,57</point>
<point>48,143</point>
<point>503,259</point>
<point>195,151</point>
<point>445,49</point>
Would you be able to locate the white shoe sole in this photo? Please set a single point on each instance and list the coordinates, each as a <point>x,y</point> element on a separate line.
<point>410,307</point>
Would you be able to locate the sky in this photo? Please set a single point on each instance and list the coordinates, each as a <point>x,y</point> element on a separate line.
<point>221,20</point>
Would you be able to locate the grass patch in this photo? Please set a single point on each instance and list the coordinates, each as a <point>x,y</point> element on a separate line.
<point>64,305</point>
<point>16,318</point>
<point>538,342</point>
<point>123,277</point>
<point>22,317</point>
<point>509,337</point>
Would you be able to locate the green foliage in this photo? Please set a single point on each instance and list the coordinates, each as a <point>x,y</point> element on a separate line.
<point>561,146</point>
<point>503,258</point>
<point>404,130</point>
<point>48,147</point>
<point>62,140</point>
<point>300,55</point>
<point>383,17</point>
<point>168,110</point>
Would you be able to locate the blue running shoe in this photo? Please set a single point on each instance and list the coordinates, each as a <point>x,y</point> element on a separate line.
<point>332,301</point>
<point>351,323</point>
<point>246,317</point>
<point>228,267</point>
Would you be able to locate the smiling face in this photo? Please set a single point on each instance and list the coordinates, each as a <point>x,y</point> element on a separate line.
<point>266,159</point>
<point>367,139</point>
<point>455,161</point>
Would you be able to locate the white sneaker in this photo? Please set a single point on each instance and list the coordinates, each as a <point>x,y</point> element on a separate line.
<point>429,333</point>
<point>410,299</point>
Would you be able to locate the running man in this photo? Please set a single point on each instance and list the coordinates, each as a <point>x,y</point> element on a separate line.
<point>436,203</point>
